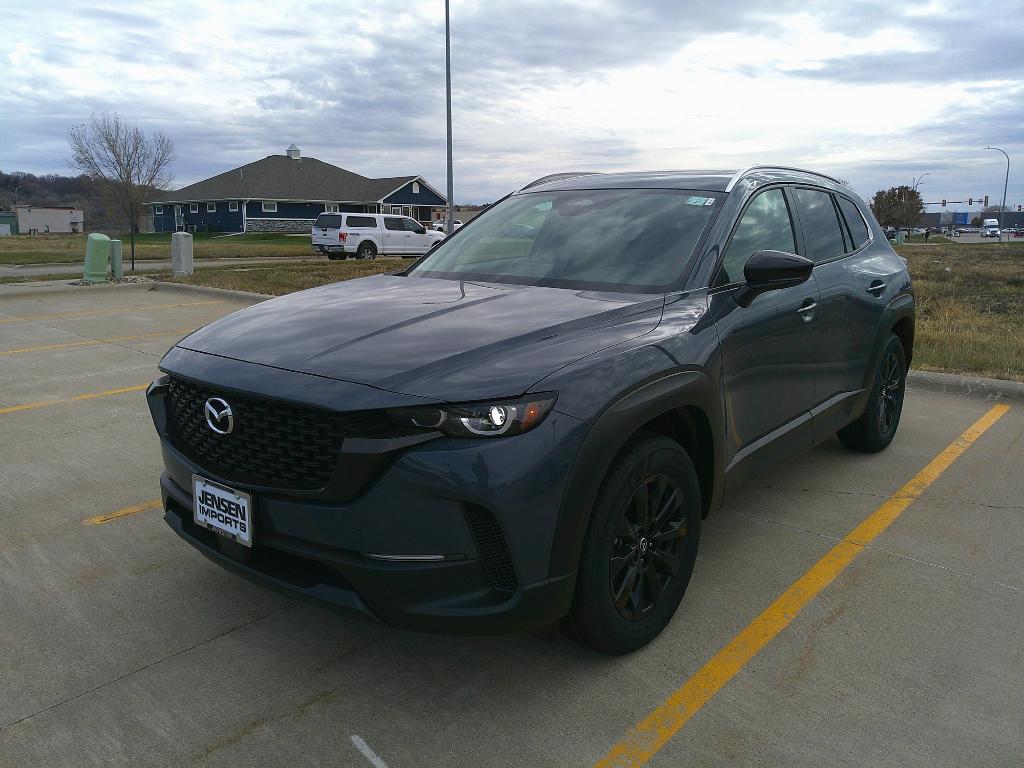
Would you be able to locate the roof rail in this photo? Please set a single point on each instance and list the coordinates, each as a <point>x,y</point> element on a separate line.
<point>557,177</point>
<point>744,171</point>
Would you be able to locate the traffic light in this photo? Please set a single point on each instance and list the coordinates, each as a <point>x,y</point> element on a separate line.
<point>1018,207</point>
<point>970,201</point>
<point>986,201</point>
<point>943,202</point>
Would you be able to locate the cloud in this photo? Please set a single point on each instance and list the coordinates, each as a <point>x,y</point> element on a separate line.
<point>868,90</point>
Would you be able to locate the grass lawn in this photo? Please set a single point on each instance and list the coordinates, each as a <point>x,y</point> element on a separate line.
<point>970,308</point>
<point>50,249</point>
<point>970,299</point>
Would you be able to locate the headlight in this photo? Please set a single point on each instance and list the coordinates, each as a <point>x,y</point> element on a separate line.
<point>499,418</point>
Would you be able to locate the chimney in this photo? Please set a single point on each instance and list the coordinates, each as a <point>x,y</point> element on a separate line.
<point>293,152</point>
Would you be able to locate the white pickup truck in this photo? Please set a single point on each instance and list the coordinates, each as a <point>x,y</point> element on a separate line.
<point>368,235</point>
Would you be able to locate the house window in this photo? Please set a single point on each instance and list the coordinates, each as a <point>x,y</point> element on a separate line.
<point>415,187</point>
<point>158,210</point>
<point>269,207</point>
<point>193,207</point>
<point>233,206</point>
<point>211,207</point>
<point>332,208</point>
<point>396,209</point>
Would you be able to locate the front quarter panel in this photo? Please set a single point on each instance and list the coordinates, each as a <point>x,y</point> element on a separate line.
<point>620,389</point>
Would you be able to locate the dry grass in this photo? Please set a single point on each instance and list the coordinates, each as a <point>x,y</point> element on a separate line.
<point>51,249</point>
<point>970,308</point>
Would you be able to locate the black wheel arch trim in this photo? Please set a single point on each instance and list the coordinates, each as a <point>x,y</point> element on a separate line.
<point>611,429</point>
<point>899,310</point>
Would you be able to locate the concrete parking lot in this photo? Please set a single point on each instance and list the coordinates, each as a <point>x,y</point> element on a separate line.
<point>120,644</point>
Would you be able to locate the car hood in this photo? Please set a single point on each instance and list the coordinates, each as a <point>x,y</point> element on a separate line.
<point>429,337</point>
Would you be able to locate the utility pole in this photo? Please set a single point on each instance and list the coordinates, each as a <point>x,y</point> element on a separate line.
<point>449,226</point>
<point>1006,183</point>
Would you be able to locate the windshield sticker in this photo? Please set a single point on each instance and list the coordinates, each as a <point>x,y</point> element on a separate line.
<point>700,201</point>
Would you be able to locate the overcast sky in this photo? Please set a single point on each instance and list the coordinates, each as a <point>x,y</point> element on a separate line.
<point>874,92</point>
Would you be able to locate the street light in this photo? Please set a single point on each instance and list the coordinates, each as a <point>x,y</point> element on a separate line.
<point>16,195</point>
<point>1006,183</point>
<point>916,182</point>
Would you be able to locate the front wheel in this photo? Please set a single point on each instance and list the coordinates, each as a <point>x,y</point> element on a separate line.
<point>877,426</point>
<point>640,548</point>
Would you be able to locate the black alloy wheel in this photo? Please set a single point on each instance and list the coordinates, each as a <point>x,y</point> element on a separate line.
<point>640,547</point>
<point>877,425</point>
<point>890,393</point>
<point>645,551</point>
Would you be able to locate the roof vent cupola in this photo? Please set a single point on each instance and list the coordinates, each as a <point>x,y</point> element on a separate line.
<point>293,152</point>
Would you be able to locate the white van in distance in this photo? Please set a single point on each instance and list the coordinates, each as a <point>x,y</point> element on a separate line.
<point>990,228</point>
<point>369,235</point>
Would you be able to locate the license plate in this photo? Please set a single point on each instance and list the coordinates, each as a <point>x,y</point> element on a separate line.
<point>222,510</point>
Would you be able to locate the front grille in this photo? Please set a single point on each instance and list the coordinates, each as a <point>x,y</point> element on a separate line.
<point>273,443</point>
<point>491,546</point>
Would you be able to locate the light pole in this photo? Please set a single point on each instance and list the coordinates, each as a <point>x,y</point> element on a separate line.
<point>1006,183</point>
<point>16,195</point>
<point>449,226</point>
<point>916,182</point>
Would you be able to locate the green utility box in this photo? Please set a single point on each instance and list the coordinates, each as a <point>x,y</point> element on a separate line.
<point>97,251</point>
<point>116,264</point>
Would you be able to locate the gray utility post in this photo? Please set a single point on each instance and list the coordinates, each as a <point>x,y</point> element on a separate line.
<point>1006,183</point>
<point>449,226</point>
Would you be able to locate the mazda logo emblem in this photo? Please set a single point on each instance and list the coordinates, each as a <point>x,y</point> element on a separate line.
<point>219,416</point>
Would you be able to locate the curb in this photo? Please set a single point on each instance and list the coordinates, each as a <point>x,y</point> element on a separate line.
<point>966,386</point>
<point>36,287</point>
<point>202,290</point>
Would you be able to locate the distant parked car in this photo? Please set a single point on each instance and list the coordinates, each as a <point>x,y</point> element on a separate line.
<point>368,235</point>
<point>890,234</point>
<point>441,226</point>
<point>1018,232</point>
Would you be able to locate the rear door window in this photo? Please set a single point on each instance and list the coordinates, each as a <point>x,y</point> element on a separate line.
<point>764,226</point>
<point>362,222</point>
<point>820,223</point>
<point>328,221</point>
<point>393,223</point>
<point>854,220</point>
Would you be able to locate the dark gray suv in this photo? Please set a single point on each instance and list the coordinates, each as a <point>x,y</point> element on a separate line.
<point>527,426</point>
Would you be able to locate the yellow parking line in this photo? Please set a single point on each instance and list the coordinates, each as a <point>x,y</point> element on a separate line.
<point>645,739</point>
<point>75,399</point>
<point>100,312</point>
<point>143,507</point>
<point>90,342</point>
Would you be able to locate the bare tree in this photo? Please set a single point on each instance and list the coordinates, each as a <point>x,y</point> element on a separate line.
<point>119,156</point>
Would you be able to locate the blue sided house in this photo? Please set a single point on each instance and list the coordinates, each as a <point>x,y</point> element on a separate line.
<point>285,193</point>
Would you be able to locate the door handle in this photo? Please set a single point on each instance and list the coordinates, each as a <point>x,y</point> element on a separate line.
<point>877,288</point>
<point>806,310</point>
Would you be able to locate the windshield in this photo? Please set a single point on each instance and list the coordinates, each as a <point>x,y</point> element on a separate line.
<point>611,239</point>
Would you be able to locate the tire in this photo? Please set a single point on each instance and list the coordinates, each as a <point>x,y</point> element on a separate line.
<point>367,250</point>
<point>632,576</point>
<point>877,426</point>
<point>331,255</point>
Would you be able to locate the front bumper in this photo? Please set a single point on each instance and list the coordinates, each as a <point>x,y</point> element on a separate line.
<point>425,499</point>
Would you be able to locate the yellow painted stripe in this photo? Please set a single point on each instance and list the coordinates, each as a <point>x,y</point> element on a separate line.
<point>644,740</point>
<point>91,342</point>
<point>101,312</point>
<point>143,507</point>
<point>75,399</point>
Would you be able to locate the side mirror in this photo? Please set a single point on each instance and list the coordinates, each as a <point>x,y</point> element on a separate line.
<point>771,270</point>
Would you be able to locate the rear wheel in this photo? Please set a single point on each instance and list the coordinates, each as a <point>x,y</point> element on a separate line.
<point>367,250</point>
<point>640,549</point>
<point>877,426</point>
